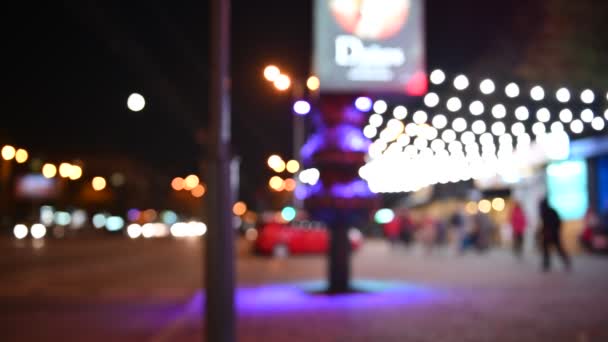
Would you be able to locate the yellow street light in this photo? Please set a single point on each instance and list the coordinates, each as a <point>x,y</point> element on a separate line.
<point>271,73</point>
<point>282,82</point>
<point>98,183</point>
<point>191,182</point>
<point>49,170</point>
<point>21,156</point>
<point>293,166</point>
<point>8,152</point>
<point>313,83</point>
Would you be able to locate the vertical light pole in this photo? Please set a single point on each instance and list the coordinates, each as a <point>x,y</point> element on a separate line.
<point>219,270</point>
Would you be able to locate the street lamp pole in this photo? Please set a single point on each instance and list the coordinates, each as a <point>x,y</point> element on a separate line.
<point>299,135</point>
<point>220,265</point>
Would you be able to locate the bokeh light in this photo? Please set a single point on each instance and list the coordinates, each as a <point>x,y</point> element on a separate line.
<point>190,182</point>
<point>276,183</point>
<point>293,166</point>
<point>485,206</point>
<point>21,156</point>
<point>271,73</point>
<point>301,107</point>
<point>282,82</point>
<point>136,102</point>
<point>178,183</point>
<point>290,184</point>
<point>239,208</point>
<point>98,183</point>
<point>38,231</point>
<point>288,213</point>
<point>198,191</point>
<point>65,170</point>
<point>364,104</point>
<point>8,152</point>
<point>498,204</point>
<point>313,83</point>
<point>20,231</point>
<point>49,170</point>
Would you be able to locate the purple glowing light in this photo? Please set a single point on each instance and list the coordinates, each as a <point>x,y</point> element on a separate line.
<point>301,107</point>
<point>363,104</point>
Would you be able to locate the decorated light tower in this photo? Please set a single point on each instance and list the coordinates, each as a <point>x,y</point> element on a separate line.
<point>361,47</point>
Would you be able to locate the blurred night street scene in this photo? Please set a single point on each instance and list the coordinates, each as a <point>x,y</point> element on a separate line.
<point>324,170</point>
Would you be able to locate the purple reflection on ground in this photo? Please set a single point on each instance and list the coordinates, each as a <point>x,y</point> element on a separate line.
<point>307,296</point>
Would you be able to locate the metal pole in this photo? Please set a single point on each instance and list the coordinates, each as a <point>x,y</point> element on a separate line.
<point>299,134</point>
<point>219,277</point>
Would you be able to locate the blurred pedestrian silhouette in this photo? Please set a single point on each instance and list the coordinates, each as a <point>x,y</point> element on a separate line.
<point>550,235</point>
<point>518,224</point>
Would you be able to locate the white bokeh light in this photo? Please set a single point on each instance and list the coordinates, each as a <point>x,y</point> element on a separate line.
<point>431,100</point>
<point>539,128</point>
<point>587,96</point>
<point>478,127</point>
<point>499,111</point>
<point>437,76</point>
<point>557,127</point>
<point>136,102</point>
<point>370,131</point>
<point>486,139</point>
<point>576,126</point>
<point>20,231</point>
<point>420,117</point>
<point>487,86</point>
<point>587,115</point>
<point>518,129</point>
<point>380,106</point>
<point>437,145</point>
<point>439,121</point>
<point>476,107</point>
<point>448,136</point>
<point>537,93</point>
<point>461,82</point>
<point>565,115</point>
<point>467,138</point>
<point>459,124</point>
<point>454,104</point>
<point>562,95</point>
<point>498,128</point>
<point>522,113</point>
<point>543,115</point>
<point>376,120</point>
<point>598,124</point>
<point>512,90</point>
<point>400,112</point>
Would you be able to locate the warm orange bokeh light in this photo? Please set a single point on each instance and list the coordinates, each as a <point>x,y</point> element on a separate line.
<point>21,156</point>
<point>191,182</point>
<point>313,83</point>
<point>49,170</point>
<point>293,166</point>
<point>198,191</point>
<point>178,183</point>
<point>290,184</point>
<point>271,73</point>
<point>282,82</point>
<point>239,208</point>
<point>276,183</point>
<point>98,183</point>
<point>75,172</point>
<point>65,169</point>
<point>8,152</point>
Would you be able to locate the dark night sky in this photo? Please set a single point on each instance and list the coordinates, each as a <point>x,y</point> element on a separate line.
<point>69,67</point>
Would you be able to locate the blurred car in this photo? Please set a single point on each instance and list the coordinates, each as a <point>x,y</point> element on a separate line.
<point>298,237</point>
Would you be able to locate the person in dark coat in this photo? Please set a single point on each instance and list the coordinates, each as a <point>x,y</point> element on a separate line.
<point>550,235</point>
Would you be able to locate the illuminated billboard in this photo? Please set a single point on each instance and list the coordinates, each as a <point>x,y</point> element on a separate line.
<point>370,46</point>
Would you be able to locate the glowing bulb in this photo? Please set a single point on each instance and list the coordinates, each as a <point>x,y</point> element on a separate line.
<point>313,83</point>
<point>136,102</point>
<point>461,82</point>
<point>487,86</point>
<point>565,115</point>
<point>190,182</point>
<point>380,107</point>
<point>98,183</point>
<point>587,96</point>
<point>522,113</point>
<point>439,121</point>
<point>437,77</point>
<point>282,82</point>
<point>537,93</point>
<point>271,73</point>
<point>49,170</point>
<point>454,104</point>
<point>293,166</point>
<point>400,112</point>
<point>21,156</point>
<point>499,111</point>
<point>478,127</point>
<point>562,95</point>
<point>431,100</point>
<point>8,152</point>
<point>512,90</point>
<point>476,107</point>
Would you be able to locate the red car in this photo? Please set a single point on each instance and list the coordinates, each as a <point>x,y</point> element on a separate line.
<point>281,240</point>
